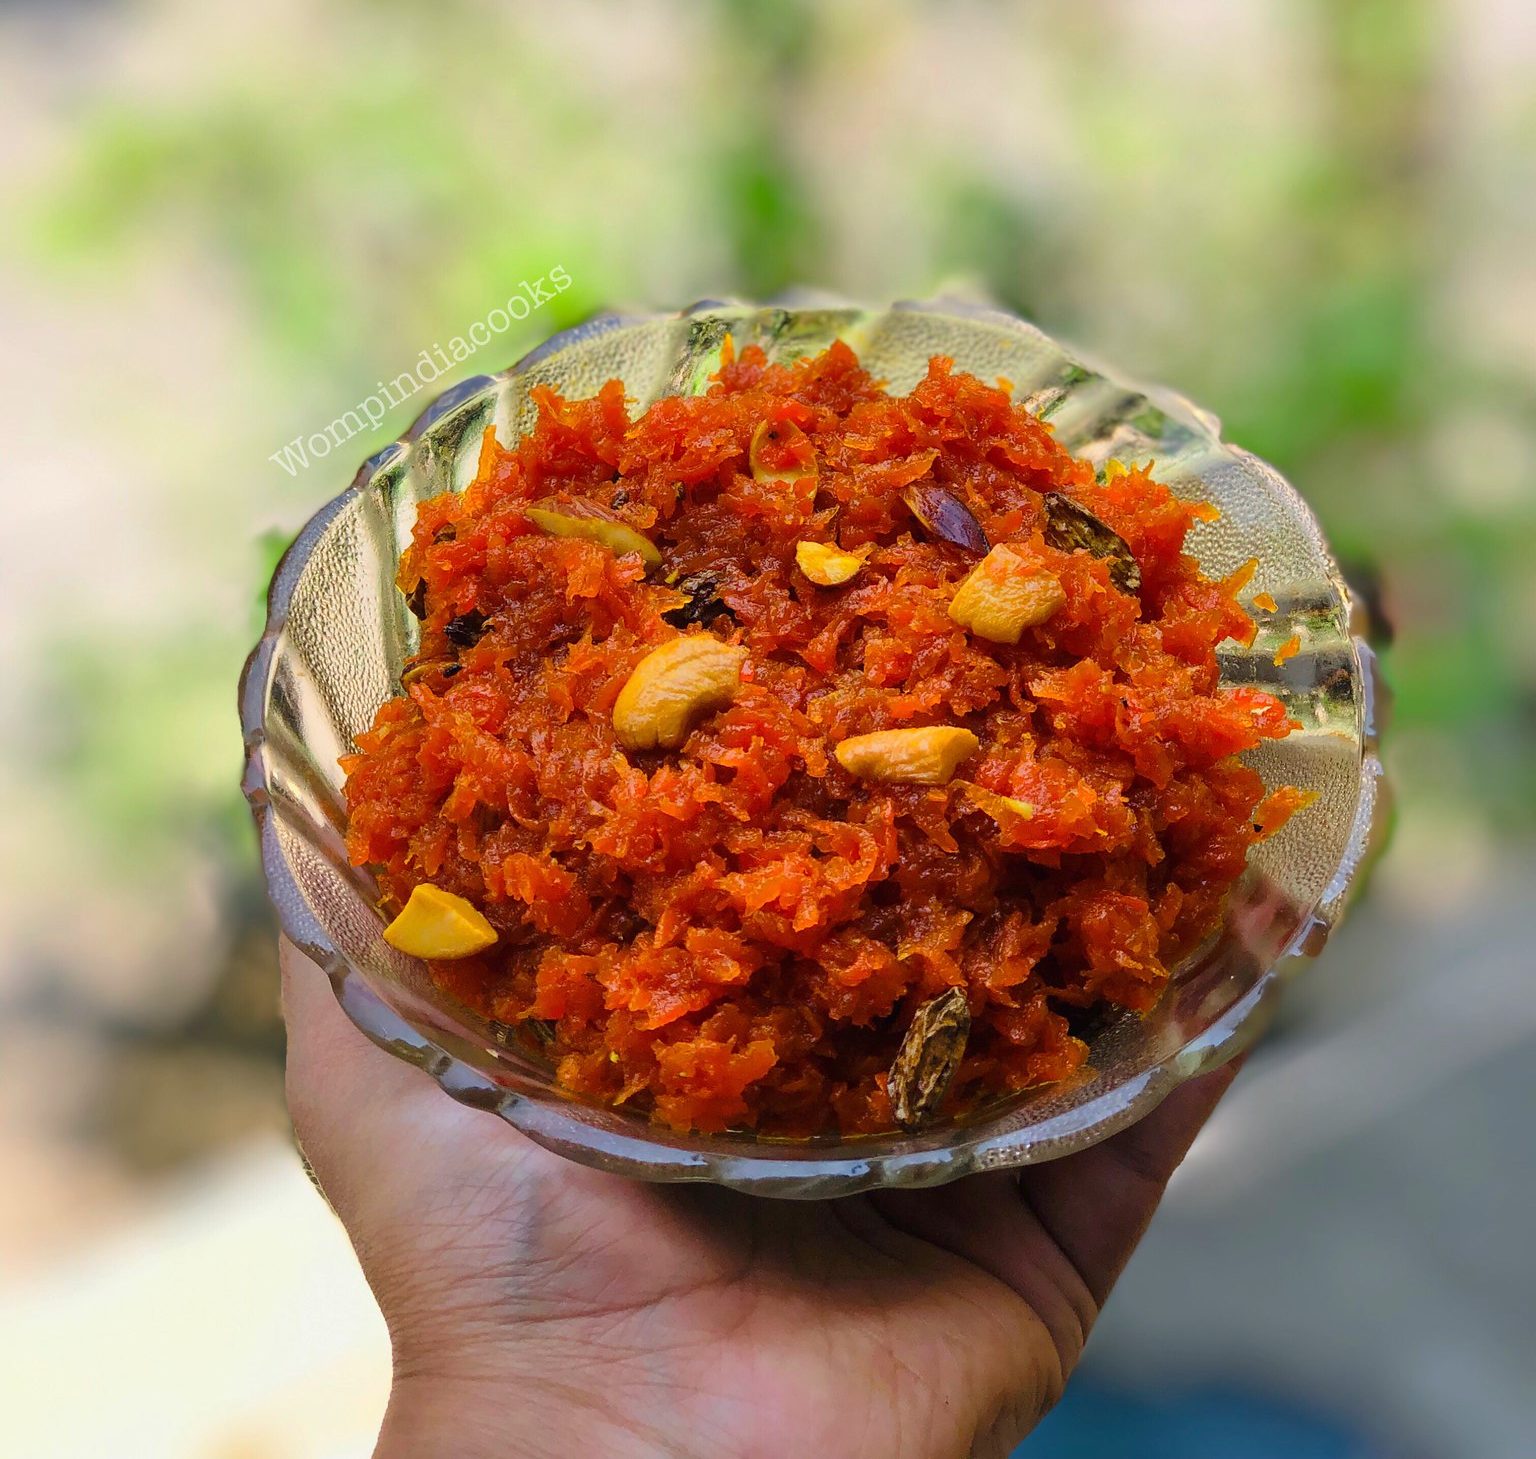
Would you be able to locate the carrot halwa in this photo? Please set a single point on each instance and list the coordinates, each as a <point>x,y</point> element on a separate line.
<point>648,735</point>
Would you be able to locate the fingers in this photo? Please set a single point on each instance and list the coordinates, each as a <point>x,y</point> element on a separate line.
<point>1096,1205</point>
<point>1060,1233</point>
<point>982,1220</point>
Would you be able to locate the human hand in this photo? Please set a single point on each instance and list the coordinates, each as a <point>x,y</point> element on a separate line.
<point>537,1308</point>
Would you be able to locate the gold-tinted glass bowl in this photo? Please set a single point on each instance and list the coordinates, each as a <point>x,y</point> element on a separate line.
<point>338,632</point>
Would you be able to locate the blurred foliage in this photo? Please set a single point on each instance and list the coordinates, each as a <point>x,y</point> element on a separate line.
<point>142,775</point>
<point>272,189</point>
<point>767,211</point>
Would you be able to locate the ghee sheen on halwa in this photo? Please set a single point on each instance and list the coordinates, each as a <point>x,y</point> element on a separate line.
<point>715,920</point>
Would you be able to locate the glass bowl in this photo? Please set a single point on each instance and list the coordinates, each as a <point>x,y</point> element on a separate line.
<point>338,632</point>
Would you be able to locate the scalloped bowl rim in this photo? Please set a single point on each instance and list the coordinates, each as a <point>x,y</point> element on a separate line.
<point>783,1168</point>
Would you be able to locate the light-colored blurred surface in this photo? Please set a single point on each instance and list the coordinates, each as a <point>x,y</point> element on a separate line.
<point>220,226</point>
<point>226,1321</point>
<point>1354,1225</point>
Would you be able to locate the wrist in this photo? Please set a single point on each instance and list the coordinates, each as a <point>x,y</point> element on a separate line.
<point>517,1412</point>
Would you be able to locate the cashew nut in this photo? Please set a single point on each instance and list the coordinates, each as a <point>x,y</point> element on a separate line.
<point>671,686</point>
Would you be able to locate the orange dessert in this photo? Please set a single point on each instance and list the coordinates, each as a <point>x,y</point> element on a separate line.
<point>751,725</point>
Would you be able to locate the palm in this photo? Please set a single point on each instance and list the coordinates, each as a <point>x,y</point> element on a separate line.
<point>824,1324</point>
<point>925,1323</point>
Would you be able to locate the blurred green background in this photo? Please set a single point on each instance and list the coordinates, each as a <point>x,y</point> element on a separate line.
<point>220,225</point>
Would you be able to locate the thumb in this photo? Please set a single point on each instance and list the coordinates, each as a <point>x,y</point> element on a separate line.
<point>351,1103</point>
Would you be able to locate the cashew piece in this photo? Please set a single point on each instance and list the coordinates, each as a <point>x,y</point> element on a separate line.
<point>439,924</point>
<point>927,756</point>
<point>1004,594</point>
<point>827,565</point>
